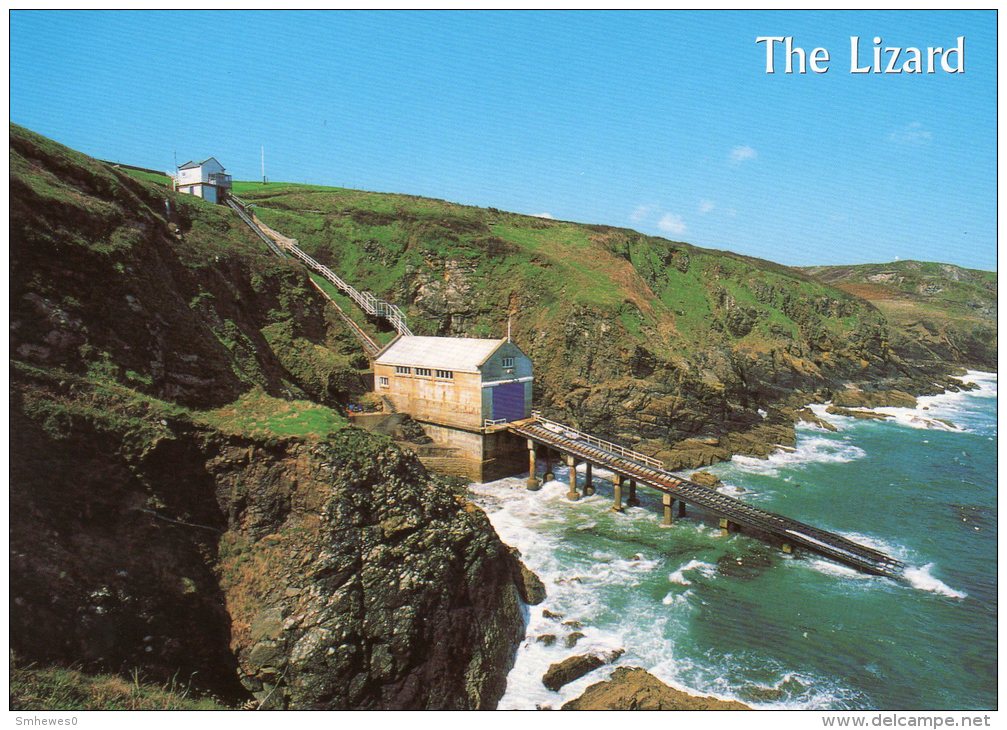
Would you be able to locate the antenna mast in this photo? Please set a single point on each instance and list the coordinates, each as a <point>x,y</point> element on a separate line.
<point>263,164</point>
<point>508,328</point>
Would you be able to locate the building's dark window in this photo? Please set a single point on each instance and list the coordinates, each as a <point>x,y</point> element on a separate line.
<point>425,372</point>
<point>448,374</point>
<point>383,381</point>
<point>402,370</point>
<point>508,362</point>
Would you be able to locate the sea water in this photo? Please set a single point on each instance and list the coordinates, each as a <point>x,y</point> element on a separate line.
<point>774,630</point>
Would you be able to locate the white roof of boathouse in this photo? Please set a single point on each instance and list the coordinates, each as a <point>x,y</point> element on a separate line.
<point>461,354</point>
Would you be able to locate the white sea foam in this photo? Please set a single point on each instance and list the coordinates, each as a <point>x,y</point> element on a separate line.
<point>677,599</point>
<point>922,579</point>
<point>835,569</point>
<point>706,569</point>
<point>529,521</point>
<point>919,577</point>
<point>987,383</point>
<point>875,543</point>
<point>533,522</point>
<point>939,412</point>
<point>810,450</point>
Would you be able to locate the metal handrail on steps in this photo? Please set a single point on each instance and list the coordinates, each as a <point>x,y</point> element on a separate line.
<point>613,448</point>
<point>365,300</point>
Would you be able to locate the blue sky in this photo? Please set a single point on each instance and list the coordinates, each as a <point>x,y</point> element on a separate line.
<point>663,122</point>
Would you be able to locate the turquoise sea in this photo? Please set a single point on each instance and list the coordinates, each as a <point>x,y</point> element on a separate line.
<point>781,631</point>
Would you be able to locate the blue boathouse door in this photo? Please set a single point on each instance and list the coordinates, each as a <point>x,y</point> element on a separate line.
<point>508,401</point>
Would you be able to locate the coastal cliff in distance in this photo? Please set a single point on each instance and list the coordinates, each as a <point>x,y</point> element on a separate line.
<point>937,312</point>
<point>188,501</point>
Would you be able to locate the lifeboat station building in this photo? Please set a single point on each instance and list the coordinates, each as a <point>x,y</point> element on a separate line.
<point>461,390</point>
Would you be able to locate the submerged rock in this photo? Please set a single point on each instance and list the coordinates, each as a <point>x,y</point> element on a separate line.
<point>632,688</point>
<point>746,565</point>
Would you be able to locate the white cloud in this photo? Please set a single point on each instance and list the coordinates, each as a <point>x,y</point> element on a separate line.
<point>706,206</point>
<point>741,153</point>
<point>912,133</point>
<point>641,212</point>
<point>671,223</point>
<point>543,215</point>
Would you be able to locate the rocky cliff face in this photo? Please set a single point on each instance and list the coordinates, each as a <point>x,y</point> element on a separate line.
<point>112,555</point>
<point>335,574</point>
<point>353,580</point>
<point>311,571</point>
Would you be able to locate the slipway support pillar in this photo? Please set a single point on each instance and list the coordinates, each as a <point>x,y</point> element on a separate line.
<point>667,500</point>
<point>548,476</point>
<point>632,501</point>
<point>617,491</point>
<point>787,548</point>
<point>681,508</point>
<point>588,480</point>
<point>572,494</point>
<point>533,484</point>
<point>725,527</point>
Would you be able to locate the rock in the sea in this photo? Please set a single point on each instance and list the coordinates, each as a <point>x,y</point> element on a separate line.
<point>706,479</point>
<point>546,639</point>
<point>809,416</point>
<point>571,640</point>
<point>857,398</point>
<point>863,415</point>
<point>632,688</point>
<point>575,667</point>
<point>529,585</point>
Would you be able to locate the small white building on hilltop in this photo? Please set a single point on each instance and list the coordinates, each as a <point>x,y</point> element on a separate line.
<point>206,179</point>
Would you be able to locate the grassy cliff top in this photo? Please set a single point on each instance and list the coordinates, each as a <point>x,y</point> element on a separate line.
<point>666,293</point>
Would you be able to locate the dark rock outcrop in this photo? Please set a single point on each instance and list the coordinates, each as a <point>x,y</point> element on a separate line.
<point>862,398</point>
<point>529,585</point>
<point>807,415</point>
<point>354,581</point>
